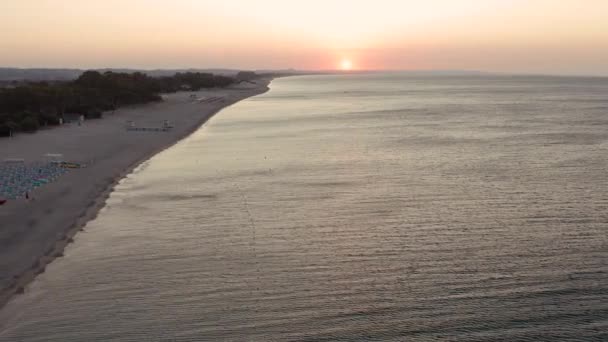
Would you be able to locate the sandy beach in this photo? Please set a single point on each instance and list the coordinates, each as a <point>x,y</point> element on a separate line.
<point>34,232</point>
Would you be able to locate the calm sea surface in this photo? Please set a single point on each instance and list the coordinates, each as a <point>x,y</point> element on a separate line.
<point>353,208</point>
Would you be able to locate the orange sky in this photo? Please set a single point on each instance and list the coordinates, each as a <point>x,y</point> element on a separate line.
<point>538,36</point>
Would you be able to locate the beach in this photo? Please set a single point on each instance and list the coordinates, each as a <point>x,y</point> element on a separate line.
<point>34,231</point>
<point>383,207</point>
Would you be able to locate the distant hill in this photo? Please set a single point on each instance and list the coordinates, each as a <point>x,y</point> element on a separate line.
<point>14,74</point>
<point>171,72</point>
<point>42,74</point>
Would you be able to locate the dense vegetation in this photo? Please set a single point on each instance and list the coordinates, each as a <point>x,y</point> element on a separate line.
<point>27,107</point>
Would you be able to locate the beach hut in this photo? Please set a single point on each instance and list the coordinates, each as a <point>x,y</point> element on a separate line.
<point>166,125</point>
<point>14,160</point>
<point>71,117</point>
<point>54,158</point>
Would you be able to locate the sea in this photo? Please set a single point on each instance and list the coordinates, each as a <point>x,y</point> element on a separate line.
<point>356,207</point>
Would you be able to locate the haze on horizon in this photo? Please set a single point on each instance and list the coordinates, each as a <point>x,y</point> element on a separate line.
<point>521,36</point>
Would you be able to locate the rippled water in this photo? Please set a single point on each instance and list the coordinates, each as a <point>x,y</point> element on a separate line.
<point>370,207</point>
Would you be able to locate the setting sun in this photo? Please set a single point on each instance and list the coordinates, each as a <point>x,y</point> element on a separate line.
<point>346,64</point>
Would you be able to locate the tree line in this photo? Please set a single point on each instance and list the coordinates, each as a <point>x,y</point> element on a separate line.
<point>27,107</point>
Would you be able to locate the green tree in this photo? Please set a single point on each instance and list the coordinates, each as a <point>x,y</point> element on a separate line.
<point>29,124</point>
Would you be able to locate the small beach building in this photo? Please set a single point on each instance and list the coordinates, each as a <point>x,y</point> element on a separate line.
<point>71,117</point>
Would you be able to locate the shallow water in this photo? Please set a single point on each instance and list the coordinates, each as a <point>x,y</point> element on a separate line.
<point>357,207</point>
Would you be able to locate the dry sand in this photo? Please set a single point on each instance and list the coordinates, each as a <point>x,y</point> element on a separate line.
<point>33,233</point>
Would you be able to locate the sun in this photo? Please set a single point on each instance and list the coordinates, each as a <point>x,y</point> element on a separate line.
<point>346,64</point>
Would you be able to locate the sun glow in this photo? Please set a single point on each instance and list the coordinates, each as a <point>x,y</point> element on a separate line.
<point>346,64</point>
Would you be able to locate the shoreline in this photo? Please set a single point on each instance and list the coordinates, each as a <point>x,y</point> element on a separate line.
<point>94,203</point>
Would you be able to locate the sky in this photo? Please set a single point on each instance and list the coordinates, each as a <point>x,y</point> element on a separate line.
<point>513,36</point>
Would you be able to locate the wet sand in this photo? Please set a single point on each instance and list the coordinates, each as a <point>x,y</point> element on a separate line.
<point>35,232</point>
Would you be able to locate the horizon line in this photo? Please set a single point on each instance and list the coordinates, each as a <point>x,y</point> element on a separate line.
<point>333,71</point>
